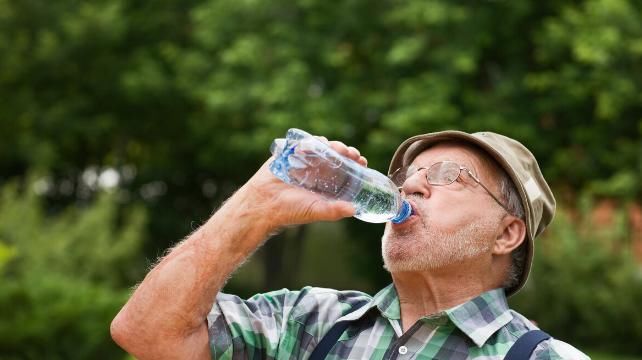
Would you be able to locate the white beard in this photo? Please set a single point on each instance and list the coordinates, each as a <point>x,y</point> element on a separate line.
<point>428,247</point>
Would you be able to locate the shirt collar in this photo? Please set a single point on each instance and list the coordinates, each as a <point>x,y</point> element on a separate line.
<point>386,301</point>
<point>478,318</point>
<point>482,316</point>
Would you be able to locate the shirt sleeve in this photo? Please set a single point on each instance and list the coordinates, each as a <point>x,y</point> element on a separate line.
<point>280,321</point>
<point>250,327</point>
<point>554,349</point>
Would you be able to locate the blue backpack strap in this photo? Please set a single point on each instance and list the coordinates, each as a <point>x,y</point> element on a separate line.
<point>328,341</point>
<point>331,337</point>
<point>526,344</point>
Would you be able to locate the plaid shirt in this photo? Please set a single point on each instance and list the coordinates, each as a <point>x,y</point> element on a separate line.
<point>289,324</point>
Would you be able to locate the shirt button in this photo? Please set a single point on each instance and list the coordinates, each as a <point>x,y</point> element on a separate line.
<point>403,350</point>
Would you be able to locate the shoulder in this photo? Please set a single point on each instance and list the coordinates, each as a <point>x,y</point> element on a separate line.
<point>326,304</point>
<point>557,350</point>
<point>295,303</point>
<point>552,349</point>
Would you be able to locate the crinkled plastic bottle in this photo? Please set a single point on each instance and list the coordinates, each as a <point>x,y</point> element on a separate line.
<point>303,160</point>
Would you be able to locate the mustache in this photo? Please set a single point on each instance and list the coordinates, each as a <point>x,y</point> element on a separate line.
<point>414,196</point>
<point>418,202</point>
<point>416,199</point>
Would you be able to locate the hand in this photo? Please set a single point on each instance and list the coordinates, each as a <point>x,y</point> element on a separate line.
<point>284,204</point>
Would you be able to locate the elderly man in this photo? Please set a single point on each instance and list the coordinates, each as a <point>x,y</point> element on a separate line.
<point>479,200</point>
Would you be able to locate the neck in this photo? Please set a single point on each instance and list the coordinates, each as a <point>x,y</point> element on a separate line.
<point>423,293</point>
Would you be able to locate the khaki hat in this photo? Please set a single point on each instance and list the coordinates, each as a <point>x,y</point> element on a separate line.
<point>520,165</point>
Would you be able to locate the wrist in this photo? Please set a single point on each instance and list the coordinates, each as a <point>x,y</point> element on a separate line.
<point>237,228</point>
<point>246,207</point>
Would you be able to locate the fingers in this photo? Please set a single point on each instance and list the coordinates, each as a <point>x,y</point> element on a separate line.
<point>353,151</point>
<point>348,151</point>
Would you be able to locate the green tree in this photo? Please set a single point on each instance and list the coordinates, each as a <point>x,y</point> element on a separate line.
<point>584,276</point>
<point>190,94</point>
<point>63,277</point>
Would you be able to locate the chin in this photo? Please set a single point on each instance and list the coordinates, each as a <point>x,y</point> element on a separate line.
<point>401,257</point>
<point>407,254</point>
<point>404,265</point>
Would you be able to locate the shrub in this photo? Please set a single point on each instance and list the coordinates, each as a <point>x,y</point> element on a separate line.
<point>585,286</point>
<point>63,276</point>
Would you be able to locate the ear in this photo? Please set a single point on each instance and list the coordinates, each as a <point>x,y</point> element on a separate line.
<point>513,233</point>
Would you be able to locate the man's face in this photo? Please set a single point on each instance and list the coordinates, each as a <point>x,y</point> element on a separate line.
<point>451,224</point>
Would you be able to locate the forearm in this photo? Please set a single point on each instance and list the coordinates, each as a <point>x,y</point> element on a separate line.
<point>175,297</point>
<point>165,317</point>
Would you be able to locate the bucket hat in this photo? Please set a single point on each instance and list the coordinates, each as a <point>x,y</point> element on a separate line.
<point>516,160</point>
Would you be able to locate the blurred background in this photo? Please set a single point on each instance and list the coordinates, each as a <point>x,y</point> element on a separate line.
<point>125,124</point>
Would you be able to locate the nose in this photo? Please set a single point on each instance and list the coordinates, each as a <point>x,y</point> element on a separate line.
<point>417,184</point>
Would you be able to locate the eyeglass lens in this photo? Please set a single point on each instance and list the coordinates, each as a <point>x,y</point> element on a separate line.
<point>441,173</point>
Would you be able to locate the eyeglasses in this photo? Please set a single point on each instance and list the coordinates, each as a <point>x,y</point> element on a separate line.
<point>439,174</point>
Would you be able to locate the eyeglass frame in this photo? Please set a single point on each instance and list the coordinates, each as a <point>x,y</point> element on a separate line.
<point>470,173</point>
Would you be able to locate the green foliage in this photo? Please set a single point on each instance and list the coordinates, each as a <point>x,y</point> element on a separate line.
<point>585,277</point>
<point>189,94</point>
<point>63,276</point>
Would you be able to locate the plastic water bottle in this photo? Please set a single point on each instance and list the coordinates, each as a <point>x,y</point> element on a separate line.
<point>303,160</point>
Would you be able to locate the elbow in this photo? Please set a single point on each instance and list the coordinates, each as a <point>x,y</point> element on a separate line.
<point>146,342</point>
<point>120,331</point>
<point>129,336</point>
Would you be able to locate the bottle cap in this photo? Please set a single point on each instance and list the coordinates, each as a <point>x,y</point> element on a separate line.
<point>404,213</point>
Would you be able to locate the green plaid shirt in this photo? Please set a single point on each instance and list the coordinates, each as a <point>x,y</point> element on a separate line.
<point>289,324</point>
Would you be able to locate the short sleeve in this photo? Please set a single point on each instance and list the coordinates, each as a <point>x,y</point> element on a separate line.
<point>252,327</point>
<point>557,350</point>
<point>278,324</point>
